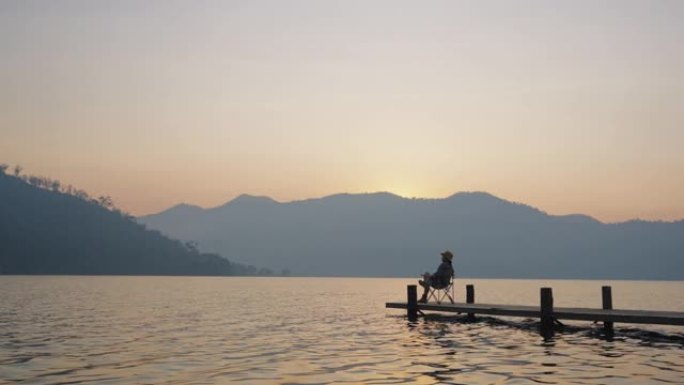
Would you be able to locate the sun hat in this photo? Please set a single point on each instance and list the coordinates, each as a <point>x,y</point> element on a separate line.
<point>447,254</point>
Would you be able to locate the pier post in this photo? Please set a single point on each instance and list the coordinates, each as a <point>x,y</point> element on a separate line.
<point>546,312</point>
<point>412,302</point>
<point>470,298</point>
<point>607,299</point>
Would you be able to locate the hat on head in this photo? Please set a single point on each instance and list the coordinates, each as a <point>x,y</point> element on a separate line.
<point>447,254</point>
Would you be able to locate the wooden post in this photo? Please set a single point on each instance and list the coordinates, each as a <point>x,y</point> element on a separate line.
<point>546,312</point>
<point>470,298</point>
<point>607,297</point>
<point>412,302</point>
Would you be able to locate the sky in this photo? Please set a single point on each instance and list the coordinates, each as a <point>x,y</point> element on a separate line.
<point>568,106</point>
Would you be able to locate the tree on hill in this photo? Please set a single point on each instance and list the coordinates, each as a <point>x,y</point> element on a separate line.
<point>49,229</point>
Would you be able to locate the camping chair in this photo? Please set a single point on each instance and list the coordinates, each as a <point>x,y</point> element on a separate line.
<point>443,293</point>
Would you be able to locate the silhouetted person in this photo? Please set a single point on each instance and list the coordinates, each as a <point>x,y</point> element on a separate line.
<point>440,279</point>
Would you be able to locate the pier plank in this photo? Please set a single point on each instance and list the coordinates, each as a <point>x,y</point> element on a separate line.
<point>561,313</point>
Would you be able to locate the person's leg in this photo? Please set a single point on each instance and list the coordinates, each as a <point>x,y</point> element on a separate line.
<point>426,287</point>
<point>423,298</point>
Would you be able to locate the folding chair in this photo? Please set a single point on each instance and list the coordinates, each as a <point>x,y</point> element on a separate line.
<point>443,293</point>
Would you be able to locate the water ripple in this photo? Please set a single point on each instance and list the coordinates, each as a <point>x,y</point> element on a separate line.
<point>154,330</point>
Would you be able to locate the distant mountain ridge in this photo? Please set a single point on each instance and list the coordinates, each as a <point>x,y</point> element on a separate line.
<point>382,234</point>
<point>49,231</point>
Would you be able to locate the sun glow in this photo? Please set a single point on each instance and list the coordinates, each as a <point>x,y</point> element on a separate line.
<point>406,189</point>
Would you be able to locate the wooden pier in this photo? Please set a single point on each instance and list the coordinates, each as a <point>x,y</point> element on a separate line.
<point>548,315</point>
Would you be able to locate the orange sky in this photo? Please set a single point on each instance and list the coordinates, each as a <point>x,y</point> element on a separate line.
<point>567,106</point>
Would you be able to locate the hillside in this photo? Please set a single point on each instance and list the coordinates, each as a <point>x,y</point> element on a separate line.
<point>385,235</point>
<point>48,231</point>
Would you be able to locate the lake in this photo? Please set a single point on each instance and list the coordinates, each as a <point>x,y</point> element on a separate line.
<point>222,330</point>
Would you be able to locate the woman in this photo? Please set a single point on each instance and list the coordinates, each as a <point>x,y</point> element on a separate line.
<point>440,279</point>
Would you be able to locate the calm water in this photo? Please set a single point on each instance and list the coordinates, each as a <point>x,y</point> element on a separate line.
<point>173,330</point>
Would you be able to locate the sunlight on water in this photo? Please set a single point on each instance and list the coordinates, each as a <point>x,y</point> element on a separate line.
<point>182,330</point>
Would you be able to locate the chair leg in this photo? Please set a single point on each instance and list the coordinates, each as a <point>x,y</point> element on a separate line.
<point>431,294</point>
<point>440,296</point>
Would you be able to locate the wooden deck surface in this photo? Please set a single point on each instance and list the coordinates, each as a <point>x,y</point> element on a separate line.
<point>560,313</point>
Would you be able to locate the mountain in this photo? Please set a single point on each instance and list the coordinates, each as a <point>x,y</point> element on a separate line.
<point>382,234</point>
<point>48,231</point>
